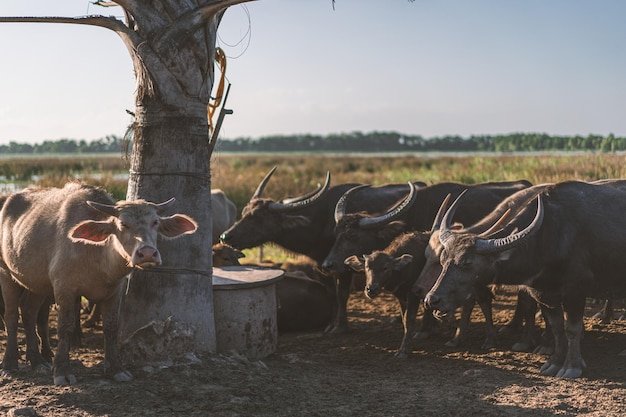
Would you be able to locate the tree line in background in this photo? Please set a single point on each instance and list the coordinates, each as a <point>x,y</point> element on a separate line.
<point>356,142</point>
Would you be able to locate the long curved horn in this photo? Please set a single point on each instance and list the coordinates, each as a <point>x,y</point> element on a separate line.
<point>445,233</point>
<point>299,203</point>
<point>369,222</point>
<point>496,226</point>
<point>103,208</point>
<point>494,245</point>
<point>340,207</point>
<point>440,213</point>
<point>304,197</point>
<point>161,207</point>
<point>262,184</point>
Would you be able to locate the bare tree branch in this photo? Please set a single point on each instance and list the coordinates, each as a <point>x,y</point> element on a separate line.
<point>191,21</point>
<point>143,14</point>
<point>105,3</point>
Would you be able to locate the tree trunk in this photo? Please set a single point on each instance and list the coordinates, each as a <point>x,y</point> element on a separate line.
<point>168,310</point>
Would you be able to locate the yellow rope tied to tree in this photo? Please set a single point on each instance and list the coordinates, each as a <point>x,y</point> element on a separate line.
<point>214,103</point>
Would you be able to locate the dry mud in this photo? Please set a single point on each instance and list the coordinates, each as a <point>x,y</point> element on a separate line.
<point>353,374</point>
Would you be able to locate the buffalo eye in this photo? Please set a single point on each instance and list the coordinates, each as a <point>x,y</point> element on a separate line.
<point>123,225</point>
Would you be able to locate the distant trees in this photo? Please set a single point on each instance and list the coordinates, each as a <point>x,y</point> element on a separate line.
<point>397,142</point>
<point>357,142</point>
<point>107,144</point>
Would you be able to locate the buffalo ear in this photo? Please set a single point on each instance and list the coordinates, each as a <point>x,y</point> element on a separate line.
<point>296,221</point>
<point>355,263</point>
<point>92,232</point>
<point>177,225</point>
<point>402,261</point>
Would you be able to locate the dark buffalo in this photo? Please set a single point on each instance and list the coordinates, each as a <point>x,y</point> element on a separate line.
<point>304,301</point>
<point>225,255</point>
<point>305,225</point>
<point>74,242</point>
<point>359,233</point>
<point>526,308</point>
<point>395,269</point>
<point>566,249</point>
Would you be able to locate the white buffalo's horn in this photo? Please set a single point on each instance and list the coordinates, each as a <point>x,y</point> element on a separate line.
<point>104,208</point>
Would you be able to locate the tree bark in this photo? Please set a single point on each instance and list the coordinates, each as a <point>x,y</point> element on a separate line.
<point>168,310</point>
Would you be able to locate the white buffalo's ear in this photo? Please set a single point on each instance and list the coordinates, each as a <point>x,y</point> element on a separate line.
<point>402,261</point>
<point>177,225</point>
<point>92,232</point>
<point>296,221</point>
<point>355,263</point>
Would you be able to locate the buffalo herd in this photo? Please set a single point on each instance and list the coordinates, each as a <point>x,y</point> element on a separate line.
<point>438,247</point>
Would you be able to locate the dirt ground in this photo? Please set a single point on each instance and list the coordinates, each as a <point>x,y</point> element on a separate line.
<point>353,374</point>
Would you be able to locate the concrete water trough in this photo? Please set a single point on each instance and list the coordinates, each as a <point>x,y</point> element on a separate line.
<point>245,305</point>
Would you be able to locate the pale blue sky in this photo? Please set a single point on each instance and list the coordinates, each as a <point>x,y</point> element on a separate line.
<point>431,67</point>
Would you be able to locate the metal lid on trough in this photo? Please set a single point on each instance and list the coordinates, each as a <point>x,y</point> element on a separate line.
<point>239,277</point>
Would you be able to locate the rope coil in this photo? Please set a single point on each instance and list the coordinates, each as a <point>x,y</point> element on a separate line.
<point>220,58</point>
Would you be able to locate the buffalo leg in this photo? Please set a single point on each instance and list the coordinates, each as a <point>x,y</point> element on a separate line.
<point>574,308</point>
<point>485,302</point>
<point>429,326</point>
<point>65,329</point>
<point>517,320</point>
<point>11,295</point>
<point>31,305</point>
<point>340,323</point>
<point>94,316</point>
<point>112,362</point>
<point>462,324</point>
<point>409,316</point>
<point>554,316</point>
<point>527,307</point>
<point>43,328</point>
<point>606,312</point>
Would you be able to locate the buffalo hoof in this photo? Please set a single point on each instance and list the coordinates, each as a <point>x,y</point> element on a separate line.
<point>8,373</point>
<point>68,379</point>
<point>123,376</point>
<point>401,355</point>
<point>544,350</point>
<point>42,368</point>
<point>569,373</point>
<point>510,328</point>
<point>488,345</point>
<point>419,335</point>
<point>549,369</point>
<point>336,329</point>
<point>521,347</point>
<point>453,343</point>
